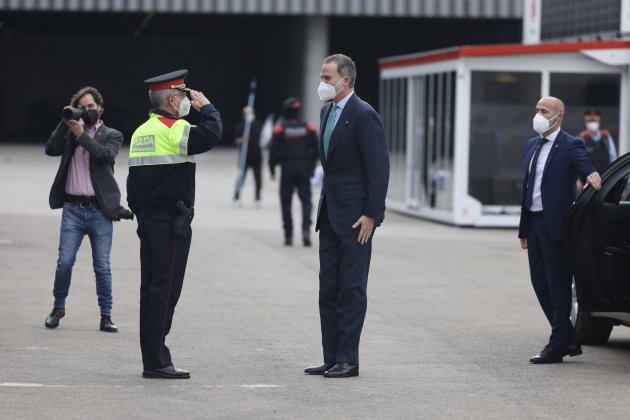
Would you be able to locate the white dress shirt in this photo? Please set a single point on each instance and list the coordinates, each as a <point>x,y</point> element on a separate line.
<point>540,168</point>
<point>341,105</point>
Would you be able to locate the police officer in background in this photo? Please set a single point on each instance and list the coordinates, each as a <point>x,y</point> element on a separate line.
<point>161,192</point>
<point>294,147</point>
<point>600,146</point>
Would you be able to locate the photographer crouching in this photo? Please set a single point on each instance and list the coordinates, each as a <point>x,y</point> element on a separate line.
<point>88,193</point>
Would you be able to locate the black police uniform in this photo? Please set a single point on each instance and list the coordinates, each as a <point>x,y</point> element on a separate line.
<point>294,147</point>
<point>152,193</point>
<point>597,151</point>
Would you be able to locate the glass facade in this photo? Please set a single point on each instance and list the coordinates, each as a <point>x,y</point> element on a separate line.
<point>582,92</point>
<point>393,110</point>
<point>432,142</point>
<point>502,108</point>
<point>421,149</point>
<point>573,18</point>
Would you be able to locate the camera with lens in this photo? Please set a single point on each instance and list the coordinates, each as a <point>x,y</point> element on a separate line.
<point>72,113</point>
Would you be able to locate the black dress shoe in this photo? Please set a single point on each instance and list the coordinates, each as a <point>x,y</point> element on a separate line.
<point>53,319</point>
<point>107,325</point>
<point>318,370</point>
<point>572,350</point>
<point>169,372</point>
<point>288,242</point>
<point>342,370</point>
<point>547,356</point>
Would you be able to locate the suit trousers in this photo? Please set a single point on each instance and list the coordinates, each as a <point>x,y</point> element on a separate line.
<point>552,278</point>
<point>163,258</point>
<point>343,274</point>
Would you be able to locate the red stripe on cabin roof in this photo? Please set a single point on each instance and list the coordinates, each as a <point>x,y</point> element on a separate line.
<point>498,49</point>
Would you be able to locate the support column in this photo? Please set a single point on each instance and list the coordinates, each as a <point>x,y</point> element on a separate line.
<point>531,21</point>
<point>315,50</point>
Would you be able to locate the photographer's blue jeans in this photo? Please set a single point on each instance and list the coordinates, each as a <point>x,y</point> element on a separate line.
<point>77,222</point>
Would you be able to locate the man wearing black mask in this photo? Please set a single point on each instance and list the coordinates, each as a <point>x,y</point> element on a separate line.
<point>88,193</point>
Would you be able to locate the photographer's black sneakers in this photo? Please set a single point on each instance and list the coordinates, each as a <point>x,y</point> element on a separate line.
<point>107,325</point>
<point>53,319</point>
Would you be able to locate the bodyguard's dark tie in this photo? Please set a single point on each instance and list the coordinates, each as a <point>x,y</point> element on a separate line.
<point>531,179</point>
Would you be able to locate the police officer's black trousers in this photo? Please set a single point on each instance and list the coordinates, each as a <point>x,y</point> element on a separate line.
<point>163,258</point>
<point>295,176</point>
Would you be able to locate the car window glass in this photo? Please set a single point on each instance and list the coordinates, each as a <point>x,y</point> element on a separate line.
<point>619,193</point>
<point>625,193</point>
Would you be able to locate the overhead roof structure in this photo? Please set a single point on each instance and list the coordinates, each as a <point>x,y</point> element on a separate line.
<point>498,50</point>
<point>492,9</point>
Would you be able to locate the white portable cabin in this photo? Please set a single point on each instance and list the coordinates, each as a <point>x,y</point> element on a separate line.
<point>456,120</point>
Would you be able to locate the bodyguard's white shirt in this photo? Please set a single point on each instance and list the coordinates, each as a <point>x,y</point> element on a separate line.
<point>540,168</point>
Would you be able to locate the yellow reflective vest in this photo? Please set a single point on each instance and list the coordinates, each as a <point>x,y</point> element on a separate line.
<point>160,141</point>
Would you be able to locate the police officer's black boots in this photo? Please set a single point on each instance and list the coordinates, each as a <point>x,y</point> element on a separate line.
<point>306,238</point>
<point>288,241</point>
<point>53,319</point>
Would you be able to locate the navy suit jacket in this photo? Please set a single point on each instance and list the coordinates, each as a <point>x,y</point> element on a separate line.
<point>566,162</point>
<point>356,170</point>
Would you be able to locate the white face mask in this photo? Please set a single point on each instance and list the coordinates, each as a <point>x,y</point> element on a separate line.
<point>184,107</point>
<point>328,92</point>
<point>541,124</point>
<point>592,126</point>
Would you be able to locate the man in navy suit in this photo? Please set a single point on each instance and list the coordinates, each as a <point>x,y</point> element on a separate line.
<point>552,162</point>
<point>355,160</point>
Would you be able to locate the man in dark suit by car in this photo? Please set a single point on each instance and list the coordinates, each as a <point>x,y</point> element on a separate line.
<point>552,162</point>
<point>355,160</point>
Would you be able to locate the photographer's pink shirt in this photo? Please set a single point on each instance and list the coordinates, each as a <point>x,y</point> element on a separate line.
<point>79,181</point>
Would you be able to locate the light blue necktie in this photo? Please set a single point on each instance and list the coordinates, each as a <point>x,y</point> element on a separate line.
<point>330,124</point>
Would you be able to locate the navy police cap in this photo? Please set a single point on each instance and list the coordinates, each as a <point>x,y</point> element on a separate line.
<point>172,80</point>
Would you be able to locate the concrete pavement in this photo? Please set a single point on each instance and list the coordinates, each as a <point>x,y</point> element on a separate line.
<point>451,321</point>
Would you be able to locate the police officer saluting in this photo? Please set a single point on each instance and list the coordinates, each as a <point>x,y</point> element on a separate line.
<point>161,192</point>
<point>294,147</point>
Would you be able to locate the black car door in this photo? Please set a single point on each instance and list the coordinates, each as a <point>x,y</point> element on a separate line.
<point>597,237</point>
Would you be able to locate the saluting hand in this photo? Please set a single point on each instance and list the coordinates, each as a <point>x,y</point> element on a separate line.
<point>594,181</point>
<point>197,100</point>
<point>367,225</point>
